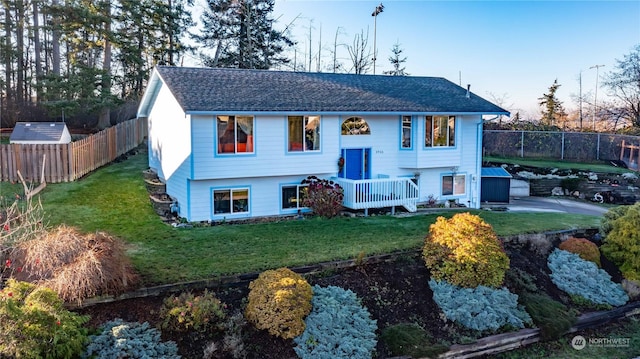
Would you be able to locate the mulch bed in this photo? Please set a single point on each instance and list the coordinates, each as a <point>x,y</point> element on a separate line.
<point>395,291</point>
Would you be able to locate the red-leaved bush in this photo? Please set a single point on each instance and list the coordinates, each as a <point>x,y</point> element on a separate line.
<point>323,197</point>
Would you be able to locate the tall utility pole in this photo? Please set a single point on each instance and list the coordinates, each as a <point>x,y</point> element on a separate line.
<point>595,100</point>
<point>580,98</point>
<point>375,13</point>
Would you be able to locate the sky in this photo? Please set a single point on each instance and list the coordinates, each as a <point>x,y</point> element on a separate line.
<point>506,50</point>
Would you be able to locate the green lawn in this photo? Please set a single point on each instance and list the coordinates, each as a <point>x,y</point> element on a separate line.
<point>114,199</point>
<point>595,167</point>
<point>562,349</point>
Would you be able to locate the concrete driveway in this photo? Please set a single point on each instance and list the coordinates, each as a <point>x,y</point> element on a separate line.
<point>552,204</point>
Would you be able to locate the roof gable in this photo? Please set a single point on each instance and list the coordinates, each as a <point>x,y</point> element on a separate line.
<point>239,90</point>
<point>38,132</point>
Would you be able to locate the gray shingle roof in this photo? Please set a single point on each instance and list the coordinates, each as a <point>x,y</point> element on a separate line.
<point>216,89</point>
<point>38,131</point>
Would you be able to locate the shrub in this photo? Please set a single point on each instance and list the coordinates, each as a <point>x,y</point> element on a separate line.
<point>233,342</point>
<point>409,339</point>
<point>586,249</point>
<point>78,266</point>
<point>187,312</point>
<point>521,281</point>
<point>323,197</point>
<point>479,308</point>
<point>337,327</point>
<point>279,300</point>
<point>553,318</point>
<point>622,243</point>
<point>606,223</point>
<point>465,251</point>
<point>119,339</point>
<point>577,276</point>
<point>34,324</point>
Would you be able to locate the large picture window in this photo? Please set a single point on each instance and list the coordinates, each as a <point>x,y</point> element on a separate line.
<point>304,133</point>
<point>440,131</point>
<point>235,134</point>
<point>453,185</point>
<point>406,132</point>
<point>229,201</point>
<point>292,196</point>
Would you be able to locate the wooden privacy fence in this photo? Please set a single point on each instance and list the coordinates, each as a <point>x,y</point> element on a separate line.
<point>68,162</point>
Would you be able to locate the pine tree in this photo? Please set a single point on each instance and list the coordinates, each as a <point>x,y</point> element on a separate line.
<point>242,34</point>
<point>396,62</point>
<point>552,109</point>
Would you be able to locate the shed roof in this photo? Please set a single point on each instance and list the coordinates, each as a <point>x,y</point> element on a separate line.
<point>38,131</point>
<point>495,172</point>
<point>240,90</point>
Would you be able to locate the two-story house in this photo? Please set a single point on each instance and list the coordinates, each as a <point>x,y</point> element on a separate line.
<point>233,143</point>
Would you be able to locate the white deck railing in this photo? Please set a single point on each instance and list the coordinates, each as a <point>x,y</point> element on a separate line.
<point>379,193</point>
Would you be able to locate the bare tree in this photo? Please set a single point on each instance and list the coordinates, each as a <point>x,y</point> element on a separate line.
<point>337,65</point>
<point>500,100</point>
<point>360,53</point>
<point>624,84</point>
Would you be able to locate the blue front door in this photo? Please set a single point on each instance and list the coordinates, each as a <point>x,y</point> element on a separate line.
<point>356,164</point>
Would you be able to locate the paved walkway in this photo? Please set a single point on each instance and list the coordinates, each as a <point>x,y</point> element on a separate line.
<point>551,204</point>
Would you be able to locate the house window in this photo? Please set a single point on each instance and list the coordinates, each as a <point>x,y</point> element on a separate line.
<point>355,126</point>
<point>292,196</point>
<point>406,132</point>
<point>440,131</point>
<point>304,133</point>
<point>235,134</point>
<point>229,201</point>
<point>453,185</point>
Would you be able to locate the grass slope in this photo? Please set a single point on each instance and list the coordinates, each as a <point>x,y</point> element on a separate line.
<point>114,199</point>
<point>601,167</point>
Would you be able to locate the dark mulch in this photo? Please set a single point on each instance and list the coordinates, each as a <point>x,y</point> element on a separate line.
<point>394,292</point>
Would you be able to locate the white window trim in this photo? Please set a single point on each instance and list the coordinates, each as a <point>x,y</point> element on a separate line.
<point>304,124</point>
<point>448,138</point>
<point>221,152</point>
<point>402,127</point>
<point>231,209</point>
<point>298,188</point>
<point>454,187</point>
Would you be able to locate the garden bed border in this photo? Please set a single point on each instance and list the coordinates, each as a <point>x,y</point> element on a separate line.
<point>242,279</point>
<point>484,346</point>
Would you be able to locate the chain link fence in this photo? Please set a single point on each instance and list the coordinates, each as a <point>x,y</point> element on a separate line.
<point>574,146</point>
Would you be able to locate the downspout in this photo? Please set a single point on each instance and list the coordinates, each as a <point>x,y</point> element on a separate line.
<point>475,200</point>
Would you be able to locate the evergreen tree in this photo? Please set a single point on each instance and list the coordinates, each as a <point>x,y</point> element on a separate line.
<point>83,57</point>
<point>552,109</point>
<point>397,62</point>
<point>242,34</point>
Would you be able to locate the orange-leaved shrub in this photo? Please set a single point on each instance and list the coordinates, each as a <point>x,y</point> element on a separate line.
<point>465,251</point>
<point>586,249</point>
<point>279,301</point>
